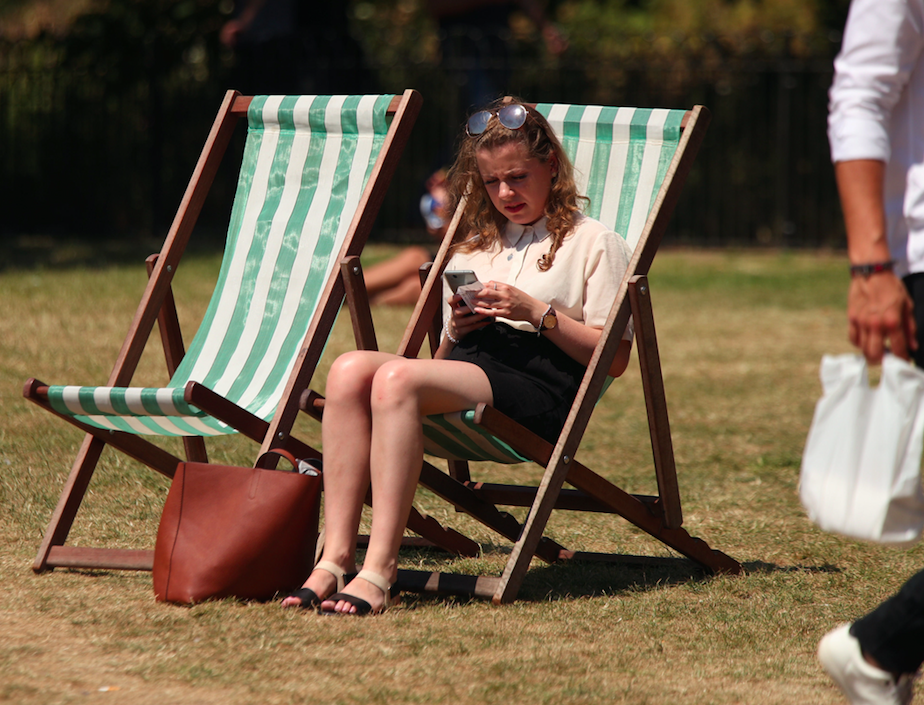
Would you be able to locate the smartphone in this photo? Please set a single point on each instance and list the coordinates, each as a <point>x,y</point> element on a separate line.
<point>457,277</point>
<point>466,279</point>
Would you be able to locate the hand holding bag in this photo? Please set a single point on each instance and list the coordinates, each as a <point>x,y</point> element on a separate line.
<point>861,467</point>
<point>232,531</point>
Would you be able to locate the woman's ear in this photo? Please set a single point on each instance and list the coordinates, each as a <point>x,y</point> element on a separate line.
<point>553,163</point>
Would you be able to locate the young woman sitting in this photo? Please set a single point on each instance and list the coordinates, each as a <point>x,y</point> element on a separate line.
<point>549,276</point>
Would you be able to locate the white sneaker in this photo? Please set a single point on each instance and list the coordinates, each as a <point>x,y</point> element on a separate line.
<point>862,683</point>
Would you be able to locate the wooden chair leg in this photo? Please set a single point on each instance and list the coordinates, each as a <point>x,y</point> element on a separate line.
<point>525,547</point>
<point>69,502</point>
<point>653,385</point>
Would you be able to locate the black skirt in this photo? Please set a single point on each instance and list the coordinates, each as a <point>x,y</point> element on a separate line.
<point>534,382</point>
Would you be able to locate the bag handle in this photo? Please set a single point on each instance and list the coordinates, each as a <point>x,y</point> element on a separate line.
<point>282,453</point>
<point>310,467</point>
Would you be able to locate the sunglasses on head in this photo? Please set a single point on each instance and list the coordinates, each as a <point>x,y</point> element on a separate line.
<point>513,117</point>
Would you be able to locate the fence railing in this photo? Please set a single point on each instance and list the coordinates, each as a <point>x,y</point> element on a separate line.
<point>83,156</point>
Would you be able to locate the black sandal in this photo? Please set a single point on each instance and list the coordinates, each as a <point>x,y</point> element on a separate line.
<point>308,598</point>
<point>362,607</point>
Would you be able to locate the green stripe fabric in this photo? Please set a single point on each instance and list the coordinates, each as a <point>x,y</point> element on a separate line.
<point>455,436</point>
<point>620,158</point>
<point>306,163</point>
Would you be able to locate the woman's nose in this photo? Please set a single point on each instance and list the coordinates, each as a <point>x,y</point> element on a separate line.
<point>504,191</point>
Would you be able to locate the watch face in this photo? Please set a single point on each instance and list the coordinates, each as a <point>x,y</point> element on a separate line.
<point>549,321</point>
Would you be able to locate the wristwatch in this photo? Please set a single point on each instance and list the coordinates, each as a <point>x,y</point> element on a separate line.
<point>549,320</point>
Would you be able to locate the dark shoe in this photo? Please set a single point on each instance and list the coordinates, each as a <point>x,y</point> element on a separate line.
<point>362,607</point>
<point>308,598</point>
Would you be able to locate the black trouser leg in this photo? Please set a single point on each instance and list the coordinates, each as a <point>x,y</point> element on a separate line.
<point>893,633</point>
<point>914,283</point>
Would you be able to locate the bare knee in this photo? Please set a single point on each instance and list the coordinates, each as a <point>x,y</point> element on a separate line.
<point>351,375</point>
<point>394,386</point>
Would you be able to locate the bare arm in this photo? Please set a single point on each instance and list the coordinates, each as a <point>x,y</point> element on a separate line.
<point>879,310</point>
<point>579,341</point>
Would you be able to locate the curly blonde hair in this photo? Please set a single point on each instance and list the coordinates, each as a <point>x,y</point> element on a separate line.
<point>481,224</point>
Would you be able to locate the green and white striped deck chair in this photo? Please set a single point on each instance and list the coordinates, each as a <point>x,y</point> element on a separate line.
<point>631,163</point>
<point>313,174</point>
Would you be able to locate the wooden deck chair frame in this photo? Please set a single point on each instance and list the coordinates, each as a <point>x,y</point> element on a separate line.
<point>157,304</point>
<point>660,516</point>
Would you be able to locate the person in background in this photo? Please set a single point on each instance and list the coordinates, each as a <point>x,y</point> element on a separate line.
<point>475,53</point>
<point>876,131</point>
<point>474,42</point>
<point>295,47</point>
<point>396,281</point>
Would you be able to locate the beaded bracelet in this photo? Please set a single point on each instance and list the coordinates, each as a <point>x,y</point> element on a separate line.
<point>865,270</point>
<point>449,336</point>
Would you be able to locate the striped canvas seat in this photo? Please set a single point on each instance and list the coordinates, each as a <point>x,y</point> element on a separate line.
<point>313,174</point>
<point>306,163</point>
<point>620,157</point>
<point>632,164</point>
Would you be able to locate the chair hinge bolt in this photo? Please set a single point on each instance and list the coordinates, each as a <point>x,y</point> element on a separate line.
<point>567,459</point>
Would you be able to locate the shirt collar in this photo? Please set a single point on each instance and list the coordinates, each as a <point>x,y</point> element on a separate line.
<point>514,232</point>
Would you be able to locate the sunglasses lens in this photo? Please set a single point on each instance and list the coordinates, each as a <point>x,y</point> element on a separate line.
<point>513,117</point>
<point>478,122</point>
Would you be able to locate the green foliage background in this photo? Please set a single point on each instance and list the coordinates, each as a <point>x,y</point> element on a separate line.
<point>104,104</point>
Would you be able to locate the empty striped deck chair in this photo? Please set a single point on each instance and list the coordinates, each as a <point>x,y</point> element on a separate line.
<point>632,164</point>
<point>313,175</point>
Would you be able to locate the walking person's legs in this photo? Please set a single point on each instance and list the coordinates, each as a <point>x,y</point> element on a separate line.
<point>875,659</point>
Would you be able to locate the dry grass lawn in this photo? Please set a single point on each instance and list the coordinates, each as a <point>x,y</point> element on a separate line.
<point>741,337</point>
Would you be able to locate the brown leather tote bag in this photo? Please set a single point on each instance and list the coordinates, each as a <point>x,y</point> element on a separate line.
<point>231,531</point>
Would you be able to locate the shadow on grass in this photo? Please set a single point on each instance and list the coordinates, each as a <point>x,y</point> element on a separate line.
<point>591,579</point>
<point>761,567</point>
<point>571,579</point>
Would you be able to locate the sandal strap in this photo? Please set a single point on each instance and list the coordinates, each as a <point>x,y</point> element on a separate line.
<point>379,581</point>
<point>333,569</point>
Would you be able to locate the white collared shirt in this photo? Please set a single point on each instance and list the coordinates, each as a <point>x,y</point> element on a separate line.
<point>877,112</point>
<point>582,283</point>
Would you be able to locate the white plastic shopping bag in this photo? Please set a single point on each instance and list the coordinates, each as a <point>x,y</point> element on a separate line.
<point>861,468</point>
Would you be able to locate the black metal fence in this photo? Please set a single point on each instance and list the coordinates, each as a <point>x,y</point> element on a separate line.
<point>86,153</point>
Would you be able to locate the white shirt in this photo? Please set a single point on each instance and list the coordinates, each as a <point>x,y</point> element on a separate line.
<point>877,112</point>
<point>582,283</point>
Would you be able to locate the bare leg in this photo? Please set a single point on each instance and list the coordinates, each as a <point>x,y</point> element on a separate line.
<point>346,433</point>
<point>393,276</point>
<point>405,293</point>
<point>403,391</point>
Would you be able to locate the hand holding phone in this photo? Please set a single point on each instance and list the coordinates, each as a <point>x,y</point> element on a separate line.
<point>465,283</point>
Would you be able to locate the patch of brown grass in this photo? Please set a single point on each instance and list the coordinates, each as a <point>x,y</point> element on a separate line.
<point>741,337</point>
